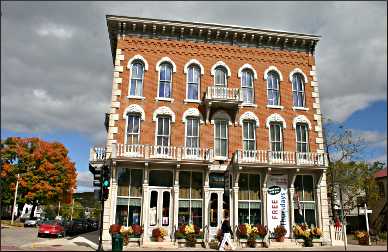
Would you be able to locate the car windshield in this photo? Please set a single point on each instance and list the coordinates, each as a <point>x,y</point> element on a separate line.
<point>50,222</point>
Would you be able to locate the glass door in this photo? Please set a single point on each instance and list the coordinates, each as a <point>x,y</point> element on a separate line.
<point>160,211</point>
<point>218,210</point>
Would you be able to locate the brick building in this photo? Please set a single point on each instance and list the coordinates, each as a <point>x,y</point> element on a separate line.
<point>211,121</point>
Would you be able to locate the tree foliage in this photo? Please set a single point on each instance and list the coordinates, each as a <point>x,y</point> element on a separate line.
<point>46,172</point>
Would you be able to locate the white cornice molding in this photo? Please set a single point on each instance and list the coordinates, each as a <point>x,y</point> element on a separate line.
<point>275,118</point>
<point>220,63</point>
<point>136,109</point>
<point>249,116</point>
<point>247,66</point>
<point>163,111</point>
<point>301,119</point>
<point>297,70</point>
<point>192,112</point>
<point>273,68</point>
<point>165,59</point>
<point>140,58</point>
<point>195,62</point>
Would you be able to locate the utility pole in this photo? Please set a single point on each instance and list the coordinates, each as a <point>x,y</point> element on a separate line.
<point>101,225</point>
<point>59,207</point>
<point>14,200</point>
<point>72,208</point>
<point>367,223</point>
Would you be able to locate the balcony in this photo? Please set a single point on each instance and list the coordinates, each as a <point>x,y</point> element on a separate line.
<point>264,157</point>
<point>223,95</point>
<point>153,152</point>
<point>97,155</point>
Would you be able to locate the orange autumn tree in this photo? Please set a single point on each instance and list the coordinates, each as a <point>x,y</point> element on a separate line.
<point>47,173</point>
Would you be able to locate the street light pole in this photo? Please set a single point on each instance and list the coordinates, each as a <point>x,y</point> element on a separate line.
<point>367,223</point>
<point>14,200</point>
<point>72,208</point>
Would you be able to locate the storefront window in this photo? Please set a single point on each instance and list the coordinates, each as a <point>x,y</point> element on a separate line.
<point>129,195</point>
<point>190,198</point>
<point>249,203</point>
<point>161,178</point>
<point>304,204</point>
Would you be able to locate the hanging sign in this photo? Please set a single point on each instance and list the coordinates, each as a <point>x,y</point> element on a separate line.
<point>277,202</point>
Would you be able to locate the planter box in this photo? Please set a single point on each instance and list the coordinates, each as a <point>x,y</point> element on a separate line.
<point>316,242</point>
<point>182,243</point>
<point>133,242</point>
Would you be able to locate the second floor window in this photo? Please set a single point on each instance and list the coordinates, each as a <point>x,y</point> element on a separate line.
<point>192,132</point>
<point>249,139</point>
<point>247,86</point>
<point>220,77</point>
<point>133,129</point>
<point>137,75</point>
<point>298,90</point>
<point>165,80</point>
<point>193,82</point>
<point>276,138</point>
<point>273,88</point>
<point>301,138</point>
<point>221,138</point>
<point>163,131</point>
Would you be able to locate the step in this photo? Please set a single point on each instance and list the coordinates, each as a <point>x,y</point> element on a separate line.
<point>286,244</point>
<point>163,244</point>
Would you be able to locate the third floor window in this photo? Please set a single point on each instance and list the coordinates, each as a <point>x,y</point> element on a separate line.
<point>247,86</point>
<point>193,82</point>
<point>298,90</point>
<point>273,91</point>
<point>137,76</point>
<point>220,77</point>
<point>165,80</point>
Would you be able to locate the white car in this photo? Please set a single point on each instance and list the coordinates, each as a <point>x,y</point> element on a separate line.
<point>30,223</point>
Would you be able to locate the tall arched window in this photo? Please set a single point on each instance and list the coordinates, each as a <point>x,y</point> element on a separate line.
<point>133,128</point>
<point>165,80</point>
<point>137,76</point>
<point>220,77</point>
<point>298,90</point>
<point>301,131</point>
<point>247,86</point>
<point>273,90</point>
<point>193,82</point>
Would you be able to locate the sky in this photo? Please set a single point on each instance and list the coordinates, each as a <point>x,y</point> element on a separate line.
<point>56,64</point>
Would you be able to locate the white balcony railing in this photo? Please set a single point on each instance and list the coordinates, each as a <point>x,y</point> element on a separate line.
<point>163,152</point>
<point>280,157</point>
<point>188,153</point>
<point>97,154</point>
<point>130,150</point>
<point>223,93</point>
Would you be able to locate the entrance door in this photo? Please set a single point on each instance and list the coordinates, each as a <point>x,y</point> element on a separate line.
<point>218,210</point>
<point>160,210</point>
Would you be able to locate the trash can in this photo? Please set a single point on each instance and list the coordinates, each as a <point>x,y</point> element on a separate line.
<point>117,242</point>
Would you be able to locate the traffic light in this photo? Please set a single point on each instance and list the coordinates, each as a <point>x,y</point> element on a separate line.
<point>96,175</point>
<point>105,182</point>
<point>105,193</point>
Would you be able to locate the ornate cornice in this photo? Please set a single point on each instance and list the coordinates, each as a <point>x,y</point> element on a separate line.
<point>249,116</point>
<point>136,109</point>
<point>163,111</point>
<point>275,118</point>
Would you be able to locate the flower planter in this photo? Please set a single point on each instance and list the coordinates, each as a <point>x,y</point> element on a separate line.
<point>363,242</point>
<point>115,228</point>
<point>280,239</point>
<point>308,243</point>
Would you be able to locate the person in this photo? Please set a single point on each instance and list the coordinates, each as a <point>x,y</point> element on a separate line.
<point>226,232</point>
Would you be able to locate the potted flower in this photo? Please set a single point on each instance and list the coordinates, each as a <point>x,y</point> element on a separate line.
<point>137,230</point>
<point>316,233</point>
<point>190,235</point>
<point>159,233</point>
<point>307,238</point>
<point>280,232</point>
<point>261,231</point>
<point>126,232</point>
<point>242,231</point>
<point>362,237</point>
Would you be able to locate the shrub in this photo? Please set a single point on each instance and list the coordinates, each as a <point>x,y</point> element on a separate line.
<point>280,231</point>
<point>137,229</point>
<point>156,233</point>
<point>242,231</point>
<point>316,232</point>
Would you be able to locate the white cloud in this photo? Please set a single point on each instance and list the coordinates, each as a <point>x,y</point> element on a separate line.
<point>84,181</point>
<point>55,30</point>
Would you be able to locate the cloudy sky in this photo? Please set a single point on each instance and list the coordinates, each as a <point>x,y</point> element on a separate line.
<point>56,65</point>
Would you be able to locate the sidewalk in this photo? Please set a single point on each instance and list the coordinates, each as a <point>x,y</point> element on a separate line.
<point>76,244</point>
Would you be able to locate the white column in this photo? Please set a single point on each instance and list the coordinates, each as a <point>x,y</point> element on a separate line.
<point>318,212</point>
<point>176,198</point>
<point>264,201</point>
<point>235,207</point>
<point>145,204</point>
<point>291,191</point>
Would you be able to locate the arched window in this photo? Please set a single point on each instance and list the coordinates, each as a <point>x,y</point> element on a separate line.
<point>133,128</point>
<point>249,136</point>
<point>273,91</point>
<point>298,90</point>
<point>220,76</point>
<point>165,80</point>
<point>247,86</point>
<point>193,82</point>
<point>137,77</point>
<point>301,131</point>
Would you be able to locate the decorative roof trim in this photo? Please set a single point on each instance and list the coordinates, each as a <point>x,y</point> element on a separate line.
<point>297,70</point>
<point>166,59</point>
<point>221,114</point>
<point>249,116</point>
<point>195,62</point>
<point>247,66</point>
<point>220,63</point>
<point>163,111</point>
<point>275,118</point>
<point>134,108</point>
<point>273,68</point>
<point>138,57</point>
<point>301,119</point>
<point>192,112</point>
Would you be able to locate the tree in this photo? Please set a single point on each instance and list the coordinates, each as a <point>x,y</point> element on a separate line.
<point>47,173</point>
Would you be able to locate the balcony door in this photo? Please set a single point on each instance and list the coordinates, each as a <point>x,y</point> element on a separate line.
<point>160,210</point>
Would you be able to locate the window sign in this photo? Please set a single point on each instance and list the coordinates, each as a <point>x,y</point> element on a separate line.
<point>277,201</point>
<point>216,180</point>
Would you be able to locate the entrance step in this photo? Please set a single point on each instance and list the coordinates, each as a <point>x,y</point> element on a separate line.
<point>288,243</point>
<point>161,245</point>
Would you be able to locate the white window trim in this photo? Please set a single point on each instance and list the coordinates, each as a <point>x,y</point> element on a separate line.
<point>169,130</point>
<point>140,58</point>
<point>301,119</point>
<point>163,111</point>
<point>220,63</point>
<point>187,80</point>
<point>193,62</point>
<point>307,137</point>
<point>130,77</point>
<point>280,97</point>
<point>135,97</point>
<point>193,112</point>
<point>254,131</point>
<point>248,105</point>
<point>298,70</point>
<point>281,136</point>
<point>227,140</point>
<point>295,71</point>
<point>133,109</point>
<point>191,101</point>
<point>199,134</point>
<point>126,128</point>
<point>273,68</point>
<point>221,115</point>
<point>158,84</point>
<point>300,108</point>
<point>275,118</point>
<point>247,66</point>
<point>249,116</point>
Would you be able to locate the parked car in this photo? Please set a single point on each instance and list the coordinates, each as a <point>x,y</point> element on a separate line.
<point>31,222</point>
<point>51,228</point>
